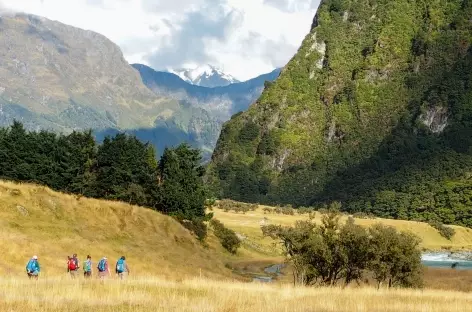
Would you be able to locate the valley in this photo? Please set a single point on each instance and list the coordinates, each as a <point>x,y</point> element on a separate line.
<point>338,178</point>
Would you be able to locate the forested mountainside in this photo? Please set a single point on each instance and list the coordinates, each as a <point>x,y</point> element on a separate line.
<point>375,110</point>
<point>57,77</point>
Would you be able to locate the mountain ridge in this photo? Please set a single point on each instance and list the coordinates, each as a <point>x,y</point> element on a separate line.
<point>223,101</point>
<point>52,72</point>
<point>372,111</point>
<point>205,76</point>
<point>62,78</point>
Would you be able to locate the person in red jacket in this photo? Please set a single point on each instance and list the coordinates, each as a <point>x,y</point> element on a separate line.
<point>73,265</point>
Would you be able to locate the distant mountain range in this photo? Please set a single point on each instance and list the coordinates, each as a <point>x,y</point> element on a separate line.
<point>57,77</point>
<point>205,76</point>
<point>221,102</point>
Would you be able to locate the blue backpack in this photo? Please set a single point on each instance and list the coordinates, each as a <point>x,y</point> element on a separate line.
<point>31,266</point>
<point>101,265</point>
<point>120,266</point>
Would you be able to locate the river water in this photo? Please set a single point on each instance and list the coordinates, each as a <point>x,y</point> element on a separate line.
<point>461,261</point>
<point>445,260</point>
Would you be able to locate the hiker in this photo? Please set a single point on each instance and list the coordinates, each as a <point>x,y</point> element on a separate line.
<point>103,269</point>
<point>122,267</point>
<point>88,267</point>
<point>73,265</point>
<point>32,268</point>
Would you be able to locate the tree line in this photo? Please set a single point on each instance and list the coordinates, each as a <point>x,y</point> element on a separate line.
<point>121,168</point>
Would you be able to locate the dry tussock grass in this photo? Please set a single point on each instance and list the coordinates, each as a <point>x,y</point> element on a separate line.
<point>448,279</point>
<point>159,294</point>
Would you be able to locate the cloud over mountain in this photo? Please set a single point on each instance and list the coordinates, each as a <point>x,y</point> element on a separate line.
<point>242,37</point>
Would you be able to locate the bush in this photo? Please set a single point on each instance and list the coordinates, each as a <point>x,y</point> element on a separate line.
<point>304,210</point>
<point>445,231</point>
<point>230,205</point>
<point>363,215</point>
<point>334,252</point>
<point>210,203</point>
<point>288,210</point>
<point>15,192</point>
<point>198,227</point>
<point>228,238</point>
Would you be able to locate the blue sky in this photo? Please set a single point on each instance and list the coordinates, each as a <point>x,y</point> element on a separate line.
<point>243,37</point>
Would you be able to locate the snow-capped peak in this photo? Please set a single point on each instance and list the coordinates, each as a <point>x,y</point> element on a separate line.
<point>205,76</point>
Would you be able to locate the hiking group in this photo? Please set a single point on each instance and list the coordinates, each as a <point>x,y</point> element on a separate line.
<point>73,267</point>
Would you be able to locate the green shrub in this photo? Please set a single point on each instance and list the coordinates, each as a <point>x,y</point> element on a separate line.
<point>249,132</point>
<point>198,227</point>
<point>323,211</point>
<point>288,210</point>
<point>228,238</point>
<point>445,231</point>
<point>360,215</point>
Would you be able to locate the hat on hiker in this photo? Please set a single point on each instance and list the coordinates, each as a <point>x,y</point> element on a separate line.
<point>35,257</point>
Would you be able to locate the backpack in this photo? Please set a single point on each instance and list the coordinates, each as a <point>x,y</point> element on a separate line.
<point>101,265</point>
<point>87,266</point>
<point>30,266</point>
<point>72,265</point>
<point>120,266</point>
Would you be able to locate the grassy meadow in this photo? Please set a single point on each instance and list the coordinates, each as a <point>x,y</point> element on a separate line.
<point>159,294</point>
<point>249,225</point>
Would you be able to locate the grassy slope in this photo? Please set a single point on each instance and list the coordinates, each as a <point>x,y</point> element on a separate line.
<point>249,225</point>
<point>54,225</point>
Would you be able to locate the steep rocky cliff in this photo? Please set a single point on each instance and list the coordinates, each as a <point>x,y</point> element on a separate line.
<point>375,110</point>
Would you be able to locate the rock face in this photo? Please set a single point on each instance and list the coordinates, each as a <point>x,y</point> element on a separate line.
<point>374,110</point>
<point>64,78</point>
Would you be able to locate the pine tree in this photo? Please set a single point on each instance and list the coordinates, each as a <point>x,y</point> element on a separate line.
<point>182,193</point>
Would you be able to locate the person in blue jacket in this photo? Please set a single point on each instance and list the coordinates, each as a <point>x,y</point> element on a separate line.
<point>122,268</point>
<point>33,268</point>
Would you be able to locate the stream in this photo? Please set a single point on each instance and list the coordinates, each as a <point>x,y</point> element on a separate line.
<point>445,260</point>
<point>271,271</point>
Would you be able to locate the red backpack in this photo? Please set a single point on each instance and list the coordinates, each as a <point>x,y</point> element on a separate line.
<point>72,265</point>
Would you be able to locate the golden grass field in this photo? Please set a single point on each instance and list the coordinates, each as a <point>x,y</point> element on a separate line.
<point>171,271</point>
<point>159,294</point>
<point>249,225</point>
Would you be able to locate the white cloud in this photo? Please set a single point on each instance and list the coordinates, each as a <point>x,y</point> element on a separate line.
<point>243,37</point>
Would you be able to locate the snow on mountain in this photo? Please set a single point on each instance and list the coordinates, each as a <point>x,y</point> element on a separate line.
<point>205,76</point>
